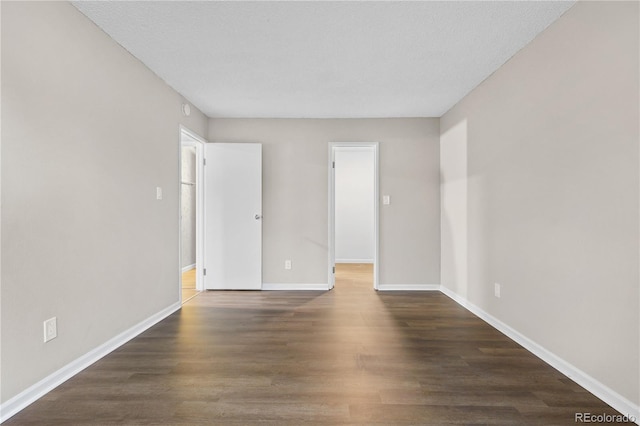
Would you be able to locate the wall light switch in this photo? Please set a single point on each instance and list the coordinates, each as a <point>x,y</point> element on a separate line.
<point>386,200</point>
<point>158,193</point>
<point>287,264</point>
<point>496,289</point>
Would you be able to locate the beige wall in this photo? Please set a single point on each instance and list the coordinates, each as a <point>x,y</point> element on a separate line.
<point>550,187</point>
<point>295,156</point>
<point>88,132</point>
<point>453,194</point>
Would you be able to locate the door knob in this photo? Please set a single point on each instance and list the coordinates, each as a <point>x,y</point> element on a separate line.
<point>258,217</point>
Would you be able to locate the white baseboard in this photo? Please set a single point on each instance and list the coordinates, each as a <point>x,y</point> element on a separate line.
<point>295,286</point>
<point>354,260</point>
<point>188,268</point>
<point>31,394</point>
<point>600,390</point>
<point>408,287</point>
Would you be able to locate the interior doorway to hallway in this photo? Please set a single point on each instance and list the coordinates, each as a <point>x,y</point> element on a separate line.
<point>191,214</point>
<point>354,277</point>
<point>353,227</point>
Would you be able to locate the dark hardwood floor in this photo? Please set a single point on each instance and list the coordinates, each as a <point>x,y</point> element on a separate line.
<point>348,356</point>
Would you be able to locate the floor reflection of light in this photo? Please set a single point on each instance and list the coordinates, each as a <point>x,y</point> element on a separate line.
<point>362,321</point>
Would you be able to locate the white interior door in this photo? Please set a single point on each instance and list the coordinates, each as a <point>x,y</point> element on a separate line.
<point>233,216</point>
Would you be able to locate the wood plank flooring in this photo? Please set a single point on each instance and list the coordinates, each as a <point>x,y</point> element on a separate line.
<point>348,356</point>
<point>189,285</point>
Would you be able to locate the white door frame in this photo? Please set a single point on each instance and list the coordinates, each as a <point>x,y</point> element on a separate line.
<point>196,141</point>
<point>332,208</point>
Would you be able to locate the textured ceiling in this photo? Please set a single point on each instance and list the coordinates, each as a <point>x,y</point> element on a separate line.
<point>323,59</point>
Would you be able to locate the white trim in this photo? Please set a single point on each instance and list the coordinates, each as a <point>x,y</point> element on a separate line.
<point>295,286</point>
<point>188,268</point>
<point>592,385</point>
<point>36,391</point>
<point>409,287</point>
<point>331,262</point>
<point>355,261</point>
<point>198,143</point>
<point>376,207</point>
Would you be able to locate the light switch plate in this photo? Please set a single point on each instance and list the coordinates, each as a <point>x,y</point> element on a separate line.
<point>386,200</point>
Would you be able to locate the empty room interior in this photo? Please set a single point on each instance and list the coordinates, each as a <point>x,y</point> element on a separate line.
<point>320,212</point>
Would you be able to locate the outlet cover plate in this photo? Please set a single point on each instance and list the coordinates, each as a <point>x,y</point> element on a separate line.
<point>50,329</point>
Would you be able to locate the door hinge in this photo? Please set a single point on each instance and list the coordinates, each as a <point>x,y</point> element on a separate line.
<point>204,271</point>
<point>334,164</point>
<point>334,269</point>
<point>204,161</point>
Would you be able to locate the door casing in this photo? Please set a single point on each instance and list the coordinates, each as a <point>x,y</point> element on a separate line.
<point>332,208</point>
<point>190,138</point>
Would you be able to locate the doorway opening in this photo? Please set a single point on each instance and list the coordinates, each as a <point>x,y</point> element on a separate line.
<point>353,212</point>
<point>191,214</point>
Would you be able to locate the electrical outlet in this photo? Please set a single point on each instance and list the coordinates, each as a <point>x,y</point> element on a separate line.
<point>158,193</point>
<point>496,289</point>
<point>287,264</point>
<point>50,329</point>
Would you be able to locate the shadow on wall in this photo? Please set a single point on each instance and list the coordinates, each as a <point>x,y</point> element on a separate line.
<point>453,193</point>
<point>465,222</point>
